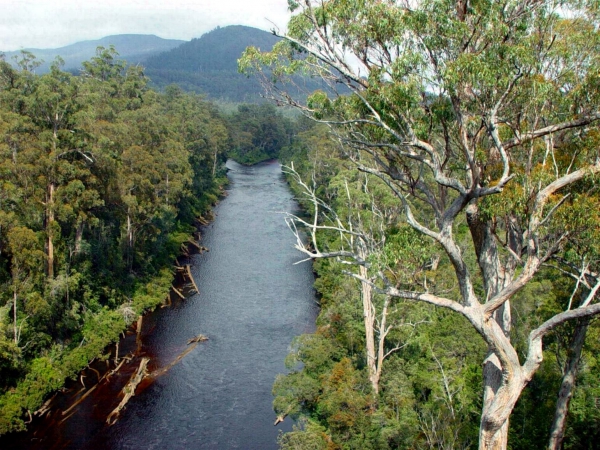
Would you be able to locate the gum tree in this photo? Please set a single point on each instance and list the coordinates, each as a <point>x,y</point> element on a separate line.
<point>482,112</point>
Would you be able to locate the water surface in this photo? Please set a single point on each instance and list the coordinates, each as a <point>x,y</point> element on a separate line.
<point>253,300</point>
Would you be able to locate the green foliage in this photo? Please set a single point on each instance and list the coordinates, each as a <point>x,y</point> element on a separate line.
<point>258,133</point>
<point>208,65</point>
<point>101,180</point>
<point>481,120</point>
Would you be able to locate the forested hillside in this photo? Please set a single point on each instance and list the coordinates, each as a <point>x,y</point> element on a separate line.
<point>209,64</point>
<point>101,180</point>
<point>454,223</point>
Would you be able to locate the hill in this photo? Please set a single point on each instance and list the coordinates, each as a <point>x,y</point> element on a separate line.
<point>205,65</point>
<point>134,48</point>
<point>209,64</point>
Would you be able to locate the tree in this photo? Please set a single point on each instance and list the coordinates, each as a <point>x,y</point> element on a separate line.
<point>364,239</point>
<point>477,112</point>
<point>26,259</point>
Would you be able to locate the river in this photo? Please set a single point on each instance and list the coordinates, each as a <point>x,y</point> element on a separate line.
<point>253,300</point>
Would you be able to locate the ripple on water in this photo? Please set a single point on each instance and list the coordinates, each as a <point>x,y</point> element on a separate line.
<point>252,302</point>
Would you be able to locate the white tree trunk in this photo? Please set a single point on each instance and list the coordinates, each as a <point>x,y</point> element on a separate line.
<point>369,321</point>
<point>559,424</point>
<point>49,230</point>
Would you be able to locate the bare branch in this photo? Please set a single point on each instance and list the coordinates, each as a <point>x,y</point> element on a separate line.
<point>582,121</point>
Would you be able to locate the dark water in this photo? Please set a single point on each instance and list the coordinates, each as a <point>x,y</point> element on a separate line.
<point>253,300</point>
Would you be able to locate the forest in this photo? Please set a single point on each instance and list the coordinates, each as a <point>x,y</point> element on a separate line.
<point>449,176</point>
<point>102,181</point>
<point>453,222</point>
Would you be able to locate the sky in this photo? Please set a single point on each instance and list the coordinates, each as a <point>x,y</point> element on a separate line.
<point>56,23</point>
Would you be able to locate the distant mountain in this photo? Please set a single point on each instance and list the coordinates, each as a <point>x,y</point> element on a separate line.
<point>209,64</point>
<point>206,65</point>
<point>134,48</point>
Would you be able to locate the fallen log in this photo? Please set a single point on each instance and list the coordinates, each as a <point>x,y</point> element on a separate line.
<point>82,398</point>
<point>281,417</point>
<point>116,369</point>
<point>129,391</point>
<point>199,338</point>
<point>178,292</point>
<point>195,244</point>
<point>45,407</point>
<point>189,274</point>
<point>96,372</point>
<point>192,345</point>
<point>138,338</point>
<point>67,418</point>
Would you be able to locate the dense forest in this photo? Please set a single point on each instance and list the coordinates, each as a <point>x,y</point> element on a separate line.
<point>208,64</point>
<point>454,223</point>
<point>102,180</point>
<point>452,217</point>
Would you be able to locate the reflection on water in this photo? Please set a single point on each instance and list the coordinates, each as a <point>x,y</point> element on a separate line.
<point>252,302</point>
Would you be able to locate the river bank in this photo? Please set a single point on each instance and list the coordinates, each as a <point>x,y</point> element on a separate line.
<point>218,394</point>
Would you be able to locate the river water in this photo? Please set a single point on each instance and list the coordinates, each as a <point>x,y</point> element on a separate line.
<point>253,300</point>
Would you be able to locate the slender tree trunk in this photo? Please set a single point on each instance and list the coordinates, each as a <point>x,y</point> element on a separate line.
<point>15,331</point>
<point>369,319</point>
<point>78,237</point>
<point>214,168</point>
<point>49,229</point>
<point>129,241</point>
<point>383,330</point>
<point>559,424</point>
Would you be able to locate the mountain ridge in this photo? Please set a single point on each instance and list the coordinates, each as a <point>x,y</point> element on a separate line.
<point>134,48</point>
<point>208,64</point>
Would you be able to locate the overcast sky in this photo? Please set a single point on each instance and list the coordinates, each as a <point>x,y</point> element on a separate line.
<point>56,23</point>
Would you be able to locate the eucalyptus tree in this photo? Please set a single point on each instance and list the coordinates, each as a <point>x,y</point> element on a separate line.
<point>482,112</point>
<point>360,217</point>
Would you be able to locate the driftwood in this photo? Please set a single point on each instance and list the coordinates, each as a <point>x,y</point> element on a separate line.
<point>189,274</point>
<point>280,418</point>
<point>178,292</point>
<point>96,372</point>
<point>199,338</point>
<point>45,407</point>
<point>195,244</point>
<point>129,391</point>
<point>184,250</point>
<point>138,338</point>
<point>191,346</point>
<point>202,220</point>
<point>82,398</point>
<point>116,369</point>
<point>67,418</point>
